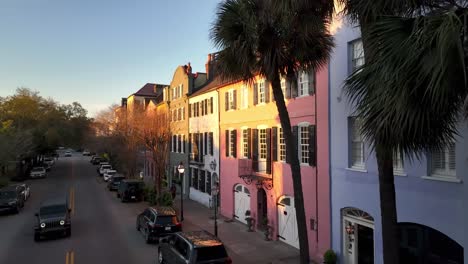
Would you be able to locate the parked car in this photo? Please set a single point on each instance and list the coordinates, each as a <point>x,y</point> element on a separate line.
<point>86,153</point>
<point>155,222</point>
<point>11,199</point>
<point>104,168</point>
<point>68,153</point>
<point>25,190</point>
<point>53,218</point>
<point>192,248</point>
<point>50,161</point>
<point>108,174</point>
<point>38,172</point>
<point>114,182</point>
<point>130,190</point>
<point>95,160</point>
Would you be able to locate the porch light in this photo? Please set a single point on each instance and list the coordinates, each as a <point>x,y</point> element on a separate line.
<point>350,229</point>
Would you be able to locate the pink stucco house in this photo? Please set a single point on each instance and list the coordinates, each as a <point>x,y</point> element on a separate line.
<point>254,173</point>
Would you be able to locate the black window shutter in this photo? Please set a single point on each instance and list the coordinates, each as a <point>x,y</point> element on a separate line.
<point>294,87</point>
<point>255,92</point>
<point>211,104</point>
<point>226,101</point>
<point>268,159</point>
<point>227,142</point>
<point>234,96</point>
<point>295,130</point>
<point>311,82</point>
<point>234,139</point>
<point>197,147</point>
<point>274,143</point>
<point>255,149</point>
<point>312,146</point>
<point>201,147</point>
<point>206,106</point>
<point>190,110</point>
<point>206,144</point>
<point>211,143</point>
<point>288,89</point>
<point>267,91</point>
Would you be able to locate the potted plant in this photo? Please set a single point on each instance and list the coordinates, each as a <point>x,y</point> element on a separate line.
<point>329,257</point>
<point>249,220</point>
<point>266,229</point>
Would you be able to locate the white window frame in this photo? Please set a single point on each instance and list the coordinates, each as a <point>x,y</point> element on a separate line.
<point>303,143</point>
<point>231,105</point>
<point>281,145</point>
<point>231,143</point>
<point>245,143</point>
<point>356,140</point>
<point>283,86</point>
<point>357,55</point>
<point>244,97</point>
<point>303,83</point>
<point>262,144</point>
<point>398,167</point>
<point>261,92</point>
<point>449,155</point>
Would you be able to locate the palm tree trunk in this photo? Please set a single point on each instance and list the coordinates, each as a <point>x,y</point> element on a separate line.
<point>387,204</point>
<point>295,168</point>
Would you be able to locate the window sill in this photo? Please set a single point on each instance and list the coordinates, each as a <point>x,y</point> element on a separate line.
<point>358,169</point>
<point>399,173</point>
<point>442,178</point>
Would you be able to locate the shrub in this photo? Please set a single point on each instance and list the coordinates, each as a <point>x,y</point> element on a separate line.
<point>165,199</point>
<point>329,257</point>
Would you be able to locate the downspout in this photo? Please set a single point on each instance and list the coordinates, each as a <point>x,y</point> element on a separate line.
<point>316,167</point>
<point>329,155</point>
<point>219,152</point>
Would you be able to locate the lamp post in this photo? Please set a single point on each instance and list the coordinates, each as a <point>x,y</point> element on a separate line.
<point>181,170</point>
<point>215,192</point>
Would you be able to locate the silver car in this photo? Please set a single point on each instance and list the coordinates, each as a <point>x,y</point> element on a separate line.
<point>38,172</point>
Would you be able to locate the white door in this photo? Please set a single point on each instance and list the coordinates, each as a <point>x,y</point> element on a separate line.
<point>287,224</point>
<point>241,202</point>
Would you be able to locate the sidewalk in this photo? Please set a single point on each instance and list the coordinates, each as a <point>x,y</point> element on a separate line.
<point>243,247</point>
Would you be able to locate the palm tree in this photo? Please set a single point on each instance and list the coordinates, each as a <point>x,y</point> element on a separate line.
<point>273,39</point>
<point>411,90</point>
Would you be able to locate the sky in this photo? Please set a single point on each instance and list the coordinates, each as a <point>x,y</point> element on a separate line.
<point>98,51</point>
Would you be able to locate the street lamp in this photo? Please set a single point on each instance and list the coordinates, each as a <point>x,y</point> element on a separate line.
<point>181,170</point>
<point>215,192</point>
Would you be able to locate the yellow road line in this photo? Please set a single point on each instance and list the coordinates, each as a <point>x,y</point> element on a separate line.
<point>72,200</point>
<point>70,257</point>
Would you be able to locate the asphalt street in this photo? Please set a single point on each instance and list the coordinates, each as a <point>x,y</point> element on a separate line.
<point>103,228</point>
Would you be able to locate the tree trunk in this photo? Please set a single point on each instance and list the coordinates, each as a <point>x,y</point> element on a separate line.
<point>388,211</point>
<point>295,168</point>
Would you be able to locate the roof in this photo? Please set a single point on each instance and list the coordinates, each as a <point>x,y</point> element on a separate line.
<point>201,239</point>
<point>150,89</point>
<point>55,201</point>
<point>132,180</point>
<point>9,188</point>
<point>164,210</point>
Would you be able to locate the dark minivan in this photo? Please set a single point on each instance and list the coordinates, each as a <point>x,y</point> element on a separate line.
<point>155,222</point>
<point>130,190</point>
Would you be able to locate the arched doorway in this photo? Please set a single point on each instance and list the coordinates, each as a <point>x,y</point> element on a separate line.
<point>358,236</point>
<point>241,202</point>
<point>420,244</point>
<point>262,208</point>
<point>287,223</point>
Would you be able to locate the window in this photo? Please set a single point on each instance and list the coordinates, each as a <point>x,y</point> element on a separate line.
<point>304,144</point>
<point>208,182</point>
<point>245,143</point>
<point>262,143</point>
<point>357,144</point>
<point>443,162</point>
<point>303,83</point>
<point>261,92</point>
<point>201,181</point>
<point>245,97</point>
<point>283,86</point>
<point>183,113</point>
<point>179,143</point>
<point>180,91</point>
<point>281,145</point>
<point>357,55</point>
<point>174,143</point>
<point>195,178</point>
<point>183,143</point>
<point>397,162</point>
<point>231,99</point>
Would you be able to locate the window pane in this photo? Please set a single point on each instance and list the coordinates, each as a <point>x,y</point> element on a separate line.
<point>357,143</point>
<point>304,144</point>
<point>245,143</point>
<point>262,144</point>
<point>282,145</point>
<point>261,92</point>
<point>201,181</point>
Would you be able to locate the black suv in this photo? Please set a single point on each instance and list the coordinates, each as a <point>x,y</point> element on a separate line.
<point>130,190</point>
<point>114,182</point>
<point>11,199</point>
<point>194,247</point>
<point>155,222</point>
<point>53,218</point>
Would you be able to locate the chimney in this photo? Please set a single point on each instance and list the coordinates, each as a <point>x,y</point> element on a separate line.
<point>189,68</point>
<point>155,90</point>
<point>209,68</point>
